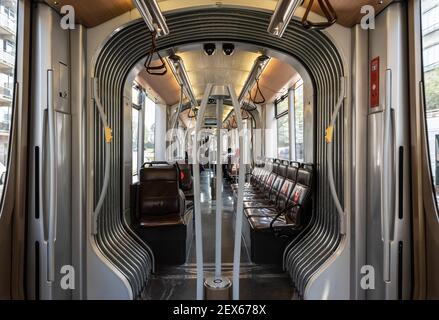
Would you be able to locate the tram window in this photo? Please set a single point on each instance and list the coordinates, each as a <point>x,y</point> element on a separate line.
<point>8,39</point>
<point>299,122</point>
<point>149,154</point>
<point>283,137</point>
<point>135,140</point>
<point>282,106</point>
<point>430,35</point>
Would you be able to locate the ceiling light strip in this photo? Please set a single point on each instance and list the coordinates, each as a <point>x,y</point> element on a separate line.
<point>258,68</point>
<point>178,69</point>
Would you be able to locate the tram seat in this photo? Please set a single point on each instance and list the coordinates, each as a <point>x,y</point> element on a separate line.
<point>271,198</point>
<point>161,217</point>
<point>186,181</point>
<point>268,230</point>
<point>263,187</point>
<point>257,177</point>
<point>282,197</point>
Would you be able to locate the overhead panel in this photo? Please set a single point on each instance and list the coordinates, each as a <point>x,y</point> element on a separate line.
<point>165,86</point>
<point>219,68</point>
<point>348,11</point>
<point>276,79</point>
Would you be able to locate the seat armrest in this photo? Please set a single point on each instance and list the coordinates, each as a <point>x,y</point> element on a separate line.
<point>134,212</point>
<point>182,199</point>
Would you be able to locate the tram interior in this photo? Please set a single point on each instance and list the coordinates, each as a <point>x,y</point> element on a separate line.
<point>245,150</point>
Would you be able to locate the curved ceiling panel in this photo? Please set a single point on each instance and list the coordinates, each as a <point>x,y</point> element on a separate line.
<point>312,48</point>
<point>348,11</point>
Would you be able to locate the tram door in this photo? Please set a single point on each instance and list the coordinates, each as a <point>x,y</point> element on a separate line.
<point>388,194</point>
<point>50,214</point>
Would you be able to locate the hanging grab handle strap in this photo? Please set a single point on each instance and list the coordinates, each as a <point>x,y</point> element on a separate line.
<point>328,11</point>
<point>258,90</point>
<point>159,70</point>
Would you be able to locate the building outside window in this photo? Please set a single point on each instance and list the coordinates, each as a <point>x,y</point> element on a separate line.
<point>282,113</point>
<point>430,38</point>
<point>283,128</point>
<point>8,31</point>
<point>149,142</point>
<point>299,121</point>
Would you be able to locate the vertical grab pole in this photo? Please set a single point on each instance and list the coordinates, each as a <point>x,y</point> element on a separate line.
<point>197,195</point>
<point>52,187</point>
<point>219,184</point>
<point>330,164</point>
<point>239,210</point>
<point>108,139</point>
<point>387,195</point>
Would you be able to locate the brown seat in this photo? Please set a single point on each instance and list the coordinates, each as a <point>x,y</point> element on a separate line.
<point>289,218</point>
<point>259,209</point>
<point>161,218</point>
<point>267,186</point>
<point>161,221</point>
<point>186,181</point>
<point>271,198</point>
<point>268,230</point>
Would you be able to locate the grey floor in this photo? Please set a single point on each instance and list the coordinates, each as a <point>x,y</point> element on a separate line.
<point>257,282</point>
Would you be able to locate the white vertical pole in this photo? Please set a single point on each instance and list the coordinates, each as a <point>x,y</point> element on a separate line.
<point>292,123</point>
<point>197,199</point>
<point>239,210</point>
<point>141,136</point>
<point>219,184</point>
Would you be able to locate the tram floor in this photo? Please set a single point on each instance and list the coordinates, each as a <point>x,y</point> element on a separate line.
<point>257,282</point>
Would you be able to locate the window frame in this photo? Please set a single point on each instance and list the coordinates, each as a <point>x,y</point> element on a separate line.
<point>144,140</point>
<point>277,102</point>
<point>284,115</point>
<point>14,102</point>
<point>297,85</point>
<point>431,163</point>
<point>291,108</point>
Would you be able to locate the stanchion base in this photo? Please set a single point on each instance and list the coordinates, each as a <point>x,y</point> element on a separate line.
<point>218,288</point>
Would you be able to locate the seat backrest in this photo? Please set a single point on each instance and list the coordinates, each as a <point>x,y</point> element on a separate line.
<point>185,177</point>
<point>263,175</point>
<point>287,188</point>
<point>159,191</point>
<point>295,164</point>
<point>292,173</point>
<point>300,196</point>
<point>271,178</point>
<point>277,184</point>
<point>254,174</point>
<point>308,166</point>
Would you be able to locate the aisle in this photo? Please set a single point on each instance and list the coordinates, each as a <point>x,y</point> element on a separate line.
<point>257,282</point>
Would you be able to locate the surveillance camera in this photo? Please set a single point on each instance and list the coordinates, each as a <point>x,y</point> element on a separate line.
<point>209,49</point>
<point>228,48</point>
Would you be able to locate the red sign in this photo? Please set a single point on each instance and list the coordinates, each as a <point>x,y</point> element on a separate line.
<point>375,83</point>
<point>286,187</point>
<point>296,197</point>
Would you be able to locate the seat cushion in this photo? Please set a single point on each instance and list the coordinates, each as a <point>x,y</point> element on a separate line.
<point>165,221</point>
<point>261,212</point>
<point>250,191</point>
<point>247,185</point>
<point>263,223</point>
<point>259,204</point>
